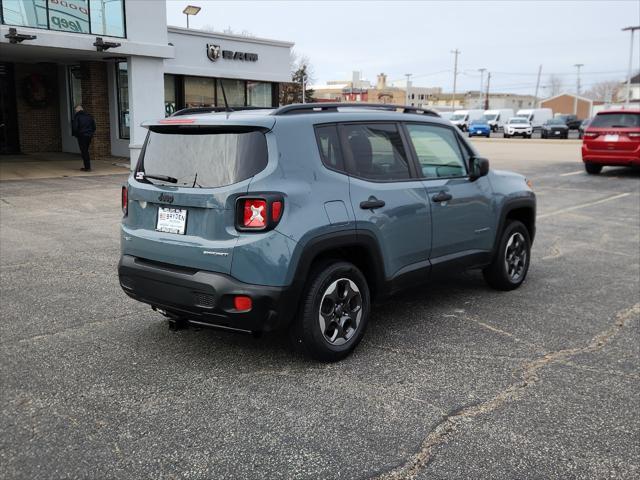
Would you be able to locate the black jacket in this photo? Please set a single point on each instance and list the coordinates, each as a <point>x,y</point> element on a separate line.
<point>83,125</point>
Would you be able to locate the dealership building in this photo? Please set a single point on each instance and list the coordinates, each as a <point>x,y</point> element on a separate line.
<point>120,60</point>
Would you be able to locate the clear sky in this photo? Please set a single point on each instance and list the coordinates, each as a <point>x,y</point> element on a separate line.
<point>509,38</point>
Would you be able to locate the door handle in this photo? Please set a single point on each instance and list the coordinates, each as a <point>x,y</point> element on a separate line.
<point>441,197</point>
<point>372,203</point>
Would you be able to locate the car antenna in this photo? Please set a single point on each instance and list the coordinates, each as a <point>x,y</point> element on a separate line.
<point>224,96</point>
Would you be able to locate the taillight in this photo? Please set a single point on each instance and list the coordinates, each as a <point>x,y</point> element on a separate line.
<point>590,134</point>
<point>125,201</point>
<point>259,213</point>
<point>255,213</point>
<point>634,134</point>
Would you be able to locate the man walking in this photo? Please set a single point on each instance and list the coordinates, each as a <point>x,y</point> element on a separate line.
<point>83,126</point>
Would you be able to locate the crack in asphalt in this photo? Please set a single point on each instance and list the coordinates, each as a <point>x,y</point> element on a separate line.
<point>453,420</point>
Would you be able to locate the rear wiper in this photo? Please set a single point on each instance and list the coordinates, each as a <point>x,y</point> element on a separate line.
<point>163,178</point>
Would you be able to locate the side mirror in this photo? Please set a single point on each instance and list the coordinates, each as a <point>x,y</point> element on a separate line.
<point>478,167</point>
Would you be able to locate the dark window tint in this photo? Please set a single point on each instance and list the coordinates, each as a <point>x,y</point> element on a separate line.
<point>376,152</point>
<point>437,150</point>
<point>329,144</point>
<point>621,120</point>
<point>217,158</point>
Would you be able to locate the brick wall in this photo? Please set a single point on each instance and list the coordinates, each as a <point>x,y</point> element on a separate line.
<point>564,104</point>
<point>38,125</point>
<point>95,100</point>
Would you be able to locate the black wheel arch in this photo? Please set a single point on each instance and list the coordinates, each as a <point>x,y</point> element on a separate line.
<point>521,209</point>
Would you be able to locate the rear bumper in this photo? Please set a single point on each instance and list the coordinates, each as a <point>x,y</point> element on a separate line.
<point>204,297</point>
<point>611,157</point>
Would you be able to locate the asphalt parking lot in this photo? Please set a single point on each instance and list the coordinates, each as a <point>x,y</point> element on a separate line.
<point>451,381</point>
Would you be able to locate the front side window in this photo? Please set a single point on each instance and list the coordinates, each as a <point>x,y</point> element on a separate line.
<point>437,150</point>
<point>98,17</point>
<point>197,157</point>
<point>329,145</point>
<point>376,152</point>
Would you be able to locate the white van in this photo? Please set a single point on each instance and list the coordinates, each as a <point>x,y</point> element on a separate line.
<point>536,116</point>
<point>462,118</point>
<point>446,115</point>
<point>497,118</point>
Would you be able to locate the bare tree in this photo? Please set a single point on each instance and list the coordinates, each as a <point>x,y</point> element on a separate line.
<point>291,92</point>
<point>554,85</point>
<point>604,91</point>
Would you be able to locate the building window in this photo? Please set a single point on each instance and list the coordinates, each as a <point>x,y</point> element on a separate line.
<point>258,94</point>
<point>234,90</point>
<point>199,92</point>
<point>169,95</point>
<point>99,17</point>
<point>75,87</point>
<point>122,85</point>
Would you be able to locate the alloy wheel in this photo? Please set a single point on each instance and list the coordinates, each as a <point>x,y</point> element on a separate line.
<point>515,256</point>
<point>340,311</point>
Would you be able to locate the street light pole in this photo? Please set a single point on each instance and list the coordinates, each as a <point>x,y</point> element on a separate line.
<point>632,30</point>
<point>575,99</point>
<point>191,10</point>
<point>408,75</point>
<point>456,52</point>
<point>481,70</point>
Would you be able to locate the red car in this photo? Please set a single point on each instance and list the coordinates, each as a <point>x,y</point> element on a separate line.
<point>612,138</point>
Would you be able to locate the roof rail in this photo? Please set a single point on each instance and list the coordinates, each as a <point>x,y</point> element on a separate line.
<point>298,108</point>
<point>190,110</point>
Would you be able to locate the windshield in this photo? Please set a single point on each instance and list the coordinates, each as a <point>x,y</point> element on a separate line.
<point>622,120</point>
<point>216,158</point>
<point>518,120</point>
<point>491,117</point>
<point>478,122</point>
<point>556,121</point>
<point>457,116</point>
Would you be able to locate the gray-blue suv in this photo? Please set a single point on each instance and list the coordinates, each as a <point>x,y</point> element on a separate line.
<point>302,216</point>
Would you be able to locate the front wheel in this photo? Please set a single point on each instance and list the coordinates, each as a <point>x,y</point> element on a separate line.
<point>592,168</point>
<point>510,264</point>
<point>505,135</point>
<point>334,312</point>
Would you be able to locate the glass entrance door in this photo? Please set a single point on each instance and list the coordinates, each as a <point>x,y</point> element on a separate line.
<point>9,140</point>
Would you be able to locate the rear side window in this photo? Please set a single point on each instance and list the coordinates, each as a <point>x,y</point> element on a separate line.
<point>329,145</point>
<point>376,152</point>
<point>438,151</point>
<point>204,158</point>
<point>619,120</point>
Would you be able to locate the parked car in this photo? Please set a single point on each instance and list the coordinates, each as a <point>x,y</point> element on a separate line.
<point>536,116</point>
<point>583,127</point>
<point>302,216</point>
<point>571,121</point>
<point>480,128</point>
<point>554,128</point>
<point>612,138</point>
<point>461,118</point>
<point>518,126</point>
<point>497,118</point>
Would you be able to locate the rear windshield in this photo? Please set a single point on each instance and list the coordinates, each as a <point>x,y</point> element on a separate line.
<point>217,158</point>
<point>620,120</point>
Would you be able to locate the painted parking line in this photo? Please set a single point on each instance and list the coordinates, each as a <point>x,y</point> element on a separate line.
<point>583,205</point>
<point>578,172</point>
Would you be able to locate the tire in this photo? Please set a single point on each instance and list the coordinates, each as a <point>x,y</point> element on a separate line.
<point>505,135</point>
<point>592,168</point>
<point>510,265</point>
<point>316,334</point>
<point>470,135</point>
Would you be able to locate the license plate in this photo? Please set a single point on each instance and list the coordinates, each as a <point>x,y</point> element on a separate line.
<point>611,138</point>
<point>171,220</point>
<point>556,133</point>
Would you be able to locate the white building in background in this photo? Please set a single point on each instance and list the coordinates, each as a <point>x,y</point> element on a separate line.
<point>125,65</point>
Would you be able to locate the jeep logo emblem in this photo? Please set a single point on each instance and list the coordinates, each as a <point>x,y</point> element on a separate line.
<point>213,52</point>
<point>165,197</point>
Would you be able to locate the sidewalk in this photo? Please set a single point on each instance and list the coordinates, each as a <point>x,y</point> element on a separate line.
<point>57,165</point>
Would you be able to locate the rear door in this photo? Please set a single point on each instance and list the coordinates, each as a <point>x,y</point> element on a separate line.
<point>388,201</point>
<point>463,223</point>
<point>191,222</point>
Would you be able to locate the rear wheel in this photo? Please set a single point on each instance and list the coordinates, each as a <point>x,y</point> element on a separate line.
<point>511,262</point>
<point>334,312</point>
<point>506,135</point>
<point>592,168</point>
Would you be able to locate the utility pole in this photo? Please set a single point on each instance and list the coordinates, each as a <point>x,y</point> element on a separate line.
<point>408,75</point>
<point>481,70</point>
<point>575,100</point>
<point>456,52</point>
<point>303,80</point>
<point>632,30</point>
<point>538,84</point>
<point>486,98</point>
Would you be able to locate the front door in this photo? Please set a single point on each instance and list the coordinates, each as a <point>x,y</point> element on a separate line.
<point>9,141</point>
<point>388,201</point>
<point>463,223</point>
